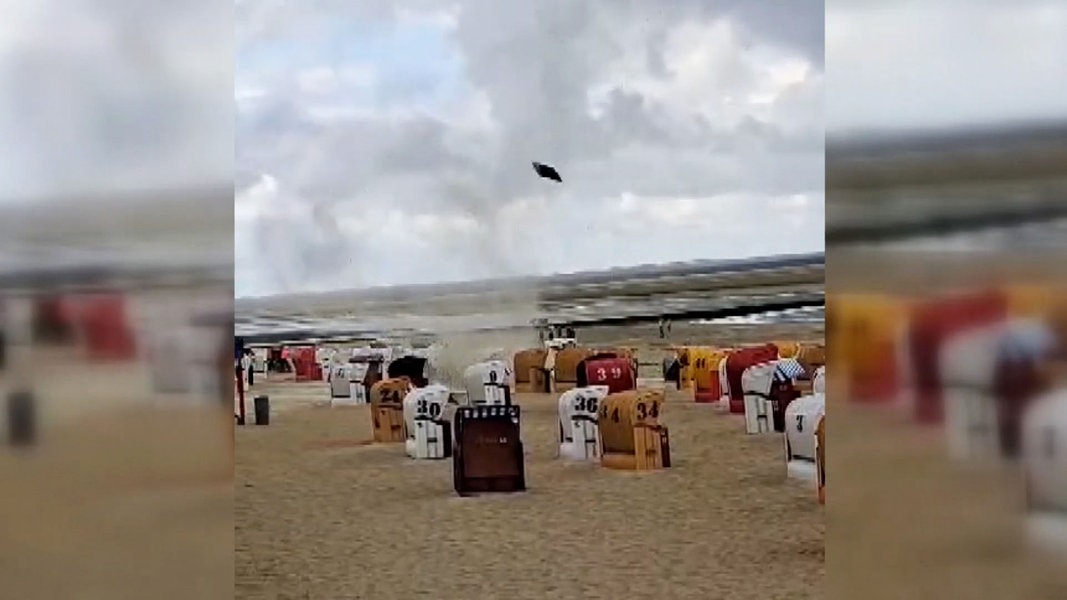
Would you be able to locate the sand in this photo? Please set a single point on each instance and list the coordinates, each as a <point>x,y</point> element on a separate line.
<point>369,523</point>
<point>904,521</point>
<point>120,502</point>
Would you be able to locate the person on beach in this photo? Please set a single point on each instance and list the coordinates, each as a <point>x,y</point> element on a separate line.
<point>287,361</point>
<point>246,365</point>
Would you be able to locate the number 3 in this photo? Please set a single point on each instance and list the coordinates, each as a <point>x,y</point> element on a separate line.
<point>800,423</point>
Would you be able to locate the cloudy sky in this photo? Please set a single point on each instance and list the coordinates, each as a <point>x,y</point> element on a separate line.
<point>918,64</point>
<point>391,143</point>
<point>387,142</point>
<point>105,95</point>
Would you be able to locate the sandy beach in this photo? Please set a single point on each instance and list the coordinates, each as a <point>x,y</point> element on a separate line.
<point>315,519</point>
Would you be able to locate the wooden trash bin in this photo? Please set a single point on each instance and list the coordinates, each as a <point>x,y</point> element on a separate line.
<point>488,453</point>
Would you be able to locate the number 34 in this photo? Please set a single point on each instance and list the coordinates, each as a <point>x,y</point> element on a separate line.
<point>644,412</point>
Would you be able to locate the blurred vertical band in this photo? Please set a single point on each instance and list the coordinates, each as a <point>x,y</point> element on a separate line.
<point>116,289</point>
<point>940,219</point>
<point>116,313</point>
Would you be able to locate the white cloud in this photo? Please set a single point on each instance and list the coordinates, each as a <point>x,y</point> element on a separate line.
<point>445,19</point>
<point>326,79</point>
<point>926,64</point>
<point>681,131</point>
<point>106,96</point>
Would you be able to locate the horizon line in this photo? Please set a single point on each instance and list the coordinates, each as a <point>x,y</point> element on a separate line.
<point>532,278</point>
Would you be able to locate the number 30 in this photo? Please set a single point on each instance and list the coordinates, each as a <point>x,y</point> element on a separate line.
<point>584,404</point>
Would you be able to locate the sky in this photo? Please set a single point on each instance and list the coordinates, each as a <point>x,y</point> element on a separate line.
<point>391,142</point>
<point>99,96</point>
<point>378,142</point>
<point>916,64</point>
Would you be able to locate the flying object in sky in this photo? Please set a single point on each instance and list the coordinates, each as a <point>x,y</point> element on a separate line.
<point>547,172</point>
